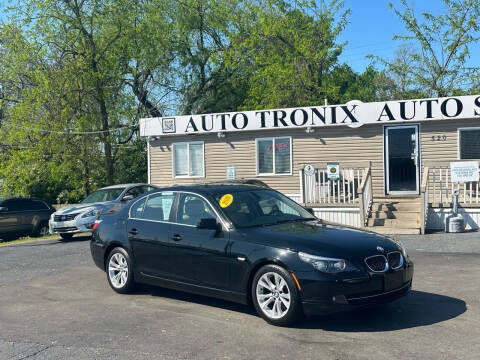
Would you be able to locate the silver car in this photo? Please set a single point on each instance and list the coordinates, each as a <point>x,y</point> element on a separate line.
<point>78,218</point>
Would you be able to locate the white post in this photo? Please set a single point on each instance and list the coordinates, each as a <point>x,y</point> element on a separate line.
<point>148,160</point>
<point>302,186</point>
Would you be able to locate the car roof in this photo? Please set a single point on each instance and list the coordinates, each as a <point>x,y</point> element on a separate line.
<point>22,198</point>
<point>125,186</point>
<point>212,188</point>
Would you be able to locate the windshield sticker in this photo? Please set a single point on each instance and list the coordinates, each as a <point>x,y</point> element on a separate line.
<point>226,200</point>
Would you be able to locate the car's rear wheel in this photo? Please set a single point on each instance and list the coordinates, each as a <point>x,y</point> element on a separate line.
<point>275,296</point>
<point>120,271</point>
<point>66,236</point>
<point>42,230</point>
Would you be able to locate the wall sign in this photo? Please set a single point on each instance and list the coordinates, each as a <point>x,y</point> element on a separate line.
<point>309,170</point>
<point>352,114</point>
<point>231,172</point>
<point>464,171</point>
<point>333,170</point>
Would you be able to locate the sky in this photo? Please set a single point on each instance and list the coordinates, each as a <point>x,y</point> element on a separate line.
<point>373,25</point>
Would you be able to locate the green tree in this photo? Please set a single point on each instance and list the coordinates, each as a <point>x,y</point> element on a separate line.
<point>290,49</point>
<point>80,71</point>
<point>439,46</point>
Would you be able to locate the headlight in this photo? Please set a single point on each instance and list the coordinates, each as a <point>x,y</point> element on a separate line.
<point>93,212</point>
<point>327,265</point>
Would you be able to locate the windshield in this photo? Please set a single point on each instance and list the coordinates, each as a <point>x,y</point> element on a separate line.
<point>260,207</point>
<point>103,195</point>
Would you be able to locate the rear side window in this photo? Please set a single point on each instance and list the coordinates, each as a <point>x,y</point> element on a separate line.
<point>136,210</point>
<point>37,205</point>
<point>15,205</point>
<point>146,188</point>
<point>135,191</point>
<point>158,207</point>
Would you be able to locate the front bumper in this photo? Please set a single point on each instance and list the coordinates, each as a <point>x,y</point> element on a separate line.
<point>78,225</point>
<point>335,295</point>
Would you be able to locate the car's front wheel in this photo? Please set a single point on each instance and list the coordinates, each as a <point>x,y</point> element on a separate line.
<point>42,230</point>
<point>275,296</point>
<point>120,271</point>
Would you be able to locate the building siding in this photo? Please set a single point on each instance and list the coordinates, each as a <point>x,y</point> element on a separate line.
<point>342,144</point>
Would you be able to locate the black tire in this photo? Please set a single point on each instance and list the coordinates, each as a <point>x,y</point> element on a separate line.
<point>128,285</point>
<point>294,312</point>
<point>42,230</point>
<point>66,236</point>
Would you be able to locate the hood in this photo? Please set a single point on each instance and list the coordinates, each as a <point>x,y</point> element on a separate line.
<point>79,208</point>
<point>323,240</point>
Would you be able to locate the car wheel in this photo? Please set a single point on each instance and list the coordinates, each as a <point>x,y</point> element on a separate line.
<point>275,296</point>
<point>66,236</point>
<point>42,230</point>
<point>120,271</point>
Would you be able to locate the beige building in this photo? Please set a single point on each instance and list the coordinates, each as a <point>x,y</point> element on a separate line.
<point>385,165</point>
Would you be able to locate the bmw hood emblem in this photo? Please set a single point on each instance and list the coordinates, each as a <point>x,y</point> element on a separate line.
<point>379,248</point>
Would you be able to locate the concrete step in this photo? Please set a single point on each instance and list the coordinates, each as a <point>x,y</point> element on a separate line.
<point>393,231</point>
<point>396,206</point>
<point>397,199</point>
<point>391,214</point>
<point>395,223</point>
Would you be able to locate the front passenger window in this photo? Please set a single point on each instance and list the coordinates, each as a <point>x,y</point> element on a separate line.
<point>192,208</point>
<point>158,207</point>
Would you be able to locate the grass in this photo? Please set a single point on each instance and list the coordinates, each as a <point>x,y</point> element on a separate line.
<point>28,239</point>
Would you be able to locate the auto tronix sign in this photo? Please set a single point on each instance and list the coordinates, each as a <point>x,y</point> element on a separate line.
<point>352,114</point>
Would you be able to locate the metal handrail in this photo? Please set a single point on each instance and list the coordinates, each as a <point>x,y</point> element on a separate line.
<point>365,195</point>
<point>424,199</point>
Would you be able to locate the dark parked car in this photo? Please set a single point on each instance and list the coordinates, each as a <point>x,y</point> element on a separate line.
<point>24,216</point>
<point>248,243</point>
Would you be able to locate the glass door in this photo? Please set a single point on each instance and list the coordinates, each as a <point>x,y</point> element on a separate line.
<point>402,159</point>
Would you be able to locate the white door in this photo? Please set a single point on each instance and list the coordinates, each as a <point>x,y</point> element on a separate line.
<point>402,161</point>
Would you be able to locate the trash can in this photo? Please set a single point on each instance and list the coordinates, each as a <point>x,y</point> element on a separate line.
<point>455,222</point>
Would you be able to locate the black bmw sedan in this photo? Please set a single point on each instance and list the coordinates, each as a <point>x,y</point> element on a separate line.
<point>248,243</point>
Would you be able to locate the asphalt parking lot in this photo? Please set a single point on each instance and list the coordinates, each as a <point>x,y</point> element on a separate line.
<point>55,304</point>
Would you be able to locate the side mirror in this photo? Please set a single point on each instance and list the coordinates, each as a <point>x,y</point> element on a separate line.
<point>3,209</point>
<point>128,198</point>
<point>310,210</point>
<point>210,224</point>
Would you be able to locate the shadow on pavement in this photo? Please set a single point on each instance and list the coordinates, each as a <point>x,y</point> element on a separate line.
<point>49,242</point>
<point>143,289</point>
<point>419,308</point>
<point>76,238</point>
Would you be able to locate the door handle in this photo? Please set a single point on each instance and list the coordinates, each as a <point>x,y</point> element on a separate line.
<point>176,237</point>
<point>133,232</point>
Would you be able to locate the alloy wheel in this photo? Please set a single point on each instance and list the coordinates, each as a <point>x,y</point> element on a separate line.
<point>273,295</point>
<point>118,270</point>
<point>44,231</point>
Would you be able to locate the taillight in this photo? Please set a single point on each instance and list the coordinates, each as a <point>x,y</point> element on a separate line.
<point>95,224</point>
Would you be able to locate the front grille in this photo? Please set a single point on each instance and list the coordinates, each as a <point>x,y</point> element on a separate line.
<point>65,229</point>
<point>377,263</point>
<point>395,259</point>
<point>68,217</point>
